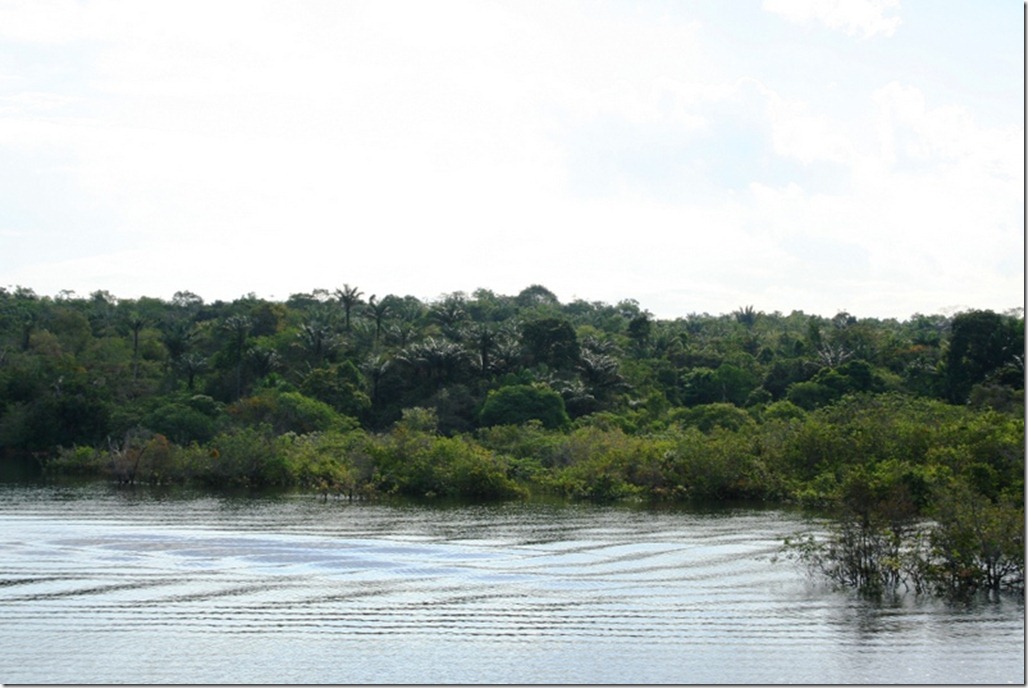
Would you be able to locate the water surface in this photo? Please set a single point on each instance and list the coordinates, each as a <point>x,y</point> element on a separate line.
<point>100,585</point>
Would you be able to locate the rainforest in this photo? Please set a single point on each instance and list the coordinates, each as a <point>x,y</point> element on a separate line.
<point>911,433</point>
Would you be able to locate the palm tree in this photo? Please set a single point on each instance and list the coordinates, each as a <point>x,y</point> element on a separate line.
<point>136,323</point>
<point>176,335</point>
<point>192,364</point>
<point>438,359</point>
<point>746,316</point>
<point>263,361</point>
<point>506,352</point>
<point>348,297</point>
<point>377,311</point>
<point>600,373</point>
<point>238,327</point>
<point>578,399</point>
<point>450,314</point>
<point>401,333</point>
<point>318,338</point>
<point>374,368</point>
<point>482,339</point>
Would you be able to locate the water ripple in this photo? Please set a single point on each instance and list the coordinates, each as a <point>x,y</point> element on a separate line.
<point>608,595</point>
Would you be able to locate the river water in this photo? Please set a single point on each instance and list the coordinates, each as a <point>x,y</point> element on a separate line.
<point>100,585</point>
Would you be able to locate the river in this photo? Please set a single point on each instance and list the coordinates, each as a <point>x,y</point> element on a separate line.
<point>107,585</point>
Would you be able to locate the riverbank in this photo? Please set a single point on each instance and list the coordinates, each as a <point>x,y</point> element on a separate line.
<point>882,463</point>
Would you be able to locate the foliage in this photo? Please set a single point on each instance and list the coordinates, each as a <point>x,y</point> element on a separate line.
<point>414,461</point>
<point>978,543</point>
<point>910,433</point>
<point>983,345</point>
<point>288,412</point>
<point>551,342</point>
<point>517,404</point>
<point>706,417</point>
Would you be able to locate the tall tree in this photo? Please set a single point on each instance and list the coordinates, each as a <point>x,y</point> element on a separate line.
<point>982,343</point>
<point>450,314</point>
<point>482,338</point>
<point>536,295</point>
<point>318,338</point>
<point>551,341</point>
<point>136,324</point>
<point>238,329</point>
<point>377,311</point>
<point>746,316</point>
<point>348,298</point>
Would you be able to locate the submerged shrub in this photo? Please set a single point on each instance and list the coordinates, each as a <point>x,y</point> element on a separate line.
<point>78,460</point>
<point>721,465</point>
<point>246,457</point>
<point>878,542</point>
<point>321,462</point>
<point>418,463</point>
<point>978,543</point>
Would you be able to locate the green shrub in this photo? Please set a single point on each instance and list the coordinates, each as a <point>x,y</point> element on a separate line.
<point>181,423</point>
<point>320,461</point>
<point>517,404</point>
<point>78,460</point>
<point>783,410</point>
<point>246,457</point>
<point>706,417</point>
<point>420,464</point>
<point>721,465</point>
<point>289,412</point>
<point>810,395</point>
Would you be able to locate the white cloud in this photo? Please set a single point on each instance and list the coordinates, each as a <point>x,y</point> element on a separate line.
<point>908,128</point>
<point>429,147</point>
<point>808,137</point>
<point>866,18</point>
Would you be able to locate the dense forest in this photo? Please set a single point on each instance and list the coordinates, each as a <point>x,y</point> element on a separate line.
<point>491,396</point>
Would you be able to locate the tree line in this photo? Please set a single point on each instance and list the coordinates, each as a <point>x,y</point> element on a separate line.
<point>496,396</point>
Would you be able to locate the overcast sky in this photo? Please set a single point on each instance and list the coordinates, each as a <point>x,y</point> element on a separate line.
<point>697,156</point>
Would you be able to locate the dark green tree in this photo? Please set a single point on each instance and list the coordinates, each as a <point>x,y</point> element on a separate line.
<point>552,342</point>
<point>983,343</point>
<point>640,329</point>
<point>536,295</point>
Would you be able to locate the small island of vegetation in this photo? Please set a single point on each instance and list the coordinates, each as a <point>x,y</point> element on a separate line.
<point>911,433</point>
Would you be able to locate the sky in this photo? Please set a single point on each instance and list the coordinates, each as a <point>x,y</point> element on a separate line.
<point>696,156</point>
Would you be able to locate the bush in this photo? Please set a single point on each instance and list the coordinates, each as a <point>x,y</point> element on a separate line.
<point>811,395</point>
<point>517,404</point>
<point>289,412</point>
<point>419,464</point>
<point>783,410</point>
<point>181,423</point>
<point>247,457</point>
<point>720,465</point>
<point>978,543</point>
<point>320,461</point>
<point>78,460</point>
<point>706,417</point>
<point>876,544</point>
<point>339,386</point>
